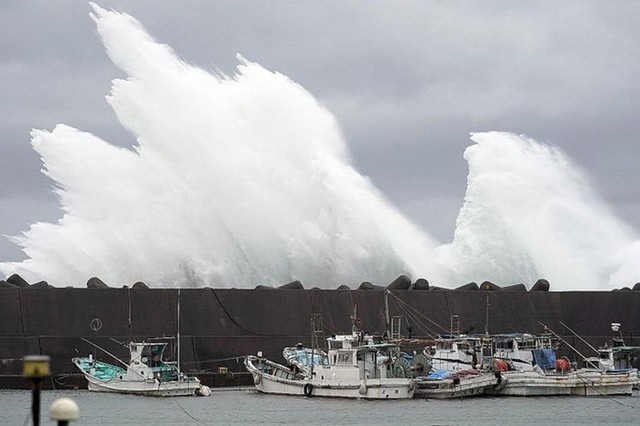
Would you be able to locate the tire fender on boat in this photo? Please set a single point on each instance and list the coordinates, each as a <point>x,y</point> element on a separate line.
<point>363,389</point>
<point>501,382</point>
<point>256,379</point>
<point>308,390</point>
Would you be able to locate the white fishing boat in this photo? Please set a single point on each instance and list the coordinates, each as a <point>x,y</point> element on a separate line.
<point>546,376</point>
<point>449,369</point>
<point>354,373</point>
<point>146,373</point>
<point>354,367</point>
<point>583,382</point>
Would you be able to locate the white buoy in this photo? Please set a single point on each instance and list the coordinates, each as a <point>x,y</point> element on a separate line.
<point>64,410</point>
<point>203,390</point>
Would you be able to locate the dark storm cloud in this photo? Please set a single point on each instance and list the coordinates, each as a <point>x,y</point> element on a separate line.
<point>407,82</point>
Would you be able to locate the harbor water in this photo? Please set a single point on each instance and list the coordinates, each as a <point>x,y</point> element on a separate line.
<point>246,406</point>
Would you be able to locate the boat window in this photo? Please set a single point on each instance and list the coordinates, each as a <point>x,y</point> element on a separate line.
<point>504,344</point>
<point>333,344</point>
<point>344,357</point>
<point>528,344</point>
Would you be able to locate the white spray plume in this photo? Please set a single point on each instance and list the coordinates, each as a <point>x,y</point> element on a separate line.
<point>528,213</point>
<point>234,181</point>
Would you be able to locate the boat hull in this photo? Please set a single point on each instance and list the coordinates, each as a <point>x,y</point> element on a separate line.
<point>285,382</point>
<point>145,388</point>
<point>452,388</point>
<point>372,389</point>
<point>582,383</point>
<point>597,383</point>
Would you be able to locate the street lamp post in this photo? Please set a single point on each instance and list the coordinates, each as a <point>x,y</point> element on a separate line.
<point>35,368</point>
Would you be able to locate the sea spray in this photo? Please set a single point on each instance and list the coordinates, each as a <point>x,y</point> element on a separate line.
<point>234,181</point>
<point>528,213</point>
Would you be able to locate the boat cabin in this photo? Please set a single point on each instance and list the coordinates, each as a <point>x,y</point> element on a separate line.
<point>147,360</point>
<point>518,348</point>
<point>454,352</point>
<point>356,356</point>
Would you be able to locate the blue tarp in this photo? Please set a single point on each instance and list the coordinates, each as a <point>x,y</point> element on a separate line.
<point>545,358</point>
<point>439,374</point>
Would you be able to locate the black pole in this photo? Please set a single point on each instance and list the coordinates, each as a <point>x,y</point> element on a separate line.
<point>35,401</point>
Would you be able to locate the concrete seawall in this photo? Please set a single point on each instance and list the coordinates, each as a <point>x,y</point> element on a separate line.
<point>218,326</point>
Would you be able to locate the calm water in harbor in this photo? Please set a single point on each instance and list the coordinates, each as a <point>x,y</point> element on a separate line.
<point>245,406</point>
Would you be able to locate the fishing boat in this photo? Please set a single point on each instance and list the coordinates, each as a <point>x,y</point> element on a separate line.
<point>147,373</point>
<point>445,384</point>
<point>581,382</point>
<point>548,375</point>
<point>450,369</point>
<point>350,373</point>
<point>354,366</point>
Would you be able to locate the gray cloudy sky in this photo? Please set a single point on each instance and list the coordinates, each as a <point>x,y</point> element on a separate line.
<point>407,81</point>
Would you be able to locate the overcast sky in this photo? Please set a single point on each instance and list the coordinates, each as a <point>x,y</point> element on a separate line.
<point>407,80</point>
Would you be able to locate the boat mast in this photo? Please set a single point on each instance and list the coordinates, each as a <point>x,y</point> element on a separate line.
<point>386,312</point>
<point>178,321</point>
<point>486,320</point>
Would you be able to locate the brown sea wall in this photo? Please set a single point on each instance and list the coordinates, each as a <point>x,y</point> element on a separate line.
<point>218,326</point>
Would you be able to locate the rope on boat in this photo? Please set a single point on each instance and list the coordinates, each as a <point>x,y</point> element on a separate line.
<point>585,359</point>
<point>181,407</point>
<point>591,383</point>
<point>586,381</point>
<point>415,316</point>
<point>213,361</point>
